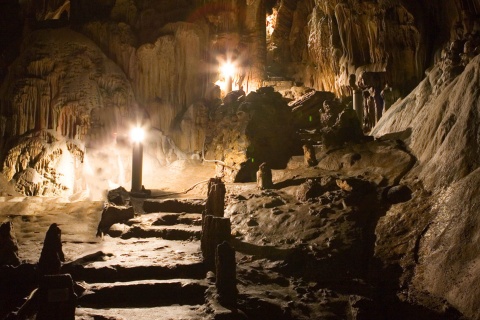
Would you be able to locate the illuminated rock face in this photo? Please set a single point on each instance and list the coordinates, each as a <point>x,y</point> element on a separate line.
<point>320,43</point>
<point>251,132</point>
<point>167,75</point>
<point>61,95</point>
<point>437,233</point>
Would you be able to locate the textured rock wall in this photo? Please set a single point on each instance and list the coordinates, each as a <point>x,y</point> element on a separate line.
<point>172,65</point>
<point>320,43</point>
<point>60,96</point>
<point>435,236</point>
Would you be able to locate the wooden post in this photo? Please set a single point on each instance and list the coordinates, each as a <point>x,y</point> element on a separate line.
<point>215,231</point>
<point>226,275</point>
<point>215,197</point>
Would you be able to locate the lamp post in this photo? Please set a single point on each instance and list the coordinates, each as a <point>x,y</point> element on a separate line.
<point>228,71</point>
<point>137,134</point>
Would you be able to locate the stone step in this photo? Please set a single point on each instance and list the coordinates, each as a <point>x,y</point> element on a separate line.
<point>110,274</point>
<point>176,232</point>
<point>175,312</point>
<point>128,253</point>
<point>167,219</point>
<point>144,294</point>
<point>174,205</point>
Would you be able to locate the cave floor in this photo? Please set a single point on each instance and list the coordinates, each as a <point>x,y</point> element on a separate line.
<point>297,258</point>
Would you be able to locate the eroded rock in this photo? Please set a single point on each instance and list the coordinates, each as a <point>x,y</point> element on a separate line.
<point>8,245</point>
<point>252,132</point>
<point>113,214</point>
<point>52,255</point>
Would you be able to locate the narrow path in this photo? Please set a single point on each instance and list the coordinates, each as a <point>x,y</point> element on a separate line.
<point>149,268</point>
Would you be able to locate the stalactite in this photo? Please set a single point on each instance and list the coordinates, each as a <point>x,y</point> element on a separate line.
<point>44,104</point>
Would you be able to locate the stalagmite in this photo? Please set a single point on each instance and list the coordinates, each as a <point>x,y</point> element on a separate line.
<point>309,157</point>
<point>52,255</point>
<point>264,177</point>
<point>8,245</point>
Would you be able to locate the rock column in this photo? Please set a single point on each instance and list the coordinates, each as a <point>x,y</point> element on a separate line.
<point>358,104</point>
<point>256,28</point>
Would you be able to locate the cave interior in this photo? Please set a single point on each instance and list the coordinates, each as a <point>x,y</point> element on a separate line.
<point>292,159</point>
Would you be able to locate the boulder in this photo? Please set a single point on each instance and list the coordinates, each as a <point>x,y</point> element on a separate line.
<point>112,214</point>
<point>305,109</point>
<point>252,132</point>
<point>118,196</point>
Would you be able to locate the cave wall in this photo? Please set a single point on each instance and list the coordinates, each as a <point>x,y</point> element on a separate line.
<point>61,96</point>
<point>320,43</point>
<point>436,235</point>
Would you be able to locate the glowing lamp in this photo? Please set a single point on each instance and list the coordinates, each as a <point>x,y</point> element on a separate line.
<point>137,134</point>
<point>228,71</point>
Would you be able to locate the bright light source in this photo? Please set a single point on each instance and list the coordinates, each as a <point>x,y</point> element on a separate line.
<point>137,134</point>
<point>227,69</point>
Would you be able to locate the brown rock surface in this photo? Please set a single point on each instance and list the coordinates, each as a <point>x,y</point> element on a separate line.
<point>59,96</point>
<point>8,245</point>
<point>437,229</point>
<point>252,132</point>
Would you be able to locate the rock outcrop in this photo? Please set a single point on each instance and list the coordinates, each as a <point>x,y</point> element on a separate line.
<point>320,43</point>
<point>437,246</point>
<point>252,132</point>
<point>8,245</point>
<point>61,95</point>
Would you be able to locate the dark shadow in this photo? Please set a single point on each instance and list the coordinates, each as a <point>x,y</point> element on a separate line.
<point>260,251</point>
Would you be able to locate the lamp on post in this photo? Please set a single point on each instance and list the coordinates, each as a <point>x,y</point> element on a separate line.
<point>137,134</point>
<point>228,71</point>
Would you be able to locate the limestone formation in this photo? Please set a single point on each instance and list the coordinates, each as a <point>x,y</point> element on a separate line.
<point>264,177</point>
<point>341,38</point>
<point>305,108</point>
<point>249,133</point>
<point>52,256</point>
<point>309,156</point>
<point>8,245</point>
<point>62,95</point>
<point>329,111</point>
<point>346,128</point>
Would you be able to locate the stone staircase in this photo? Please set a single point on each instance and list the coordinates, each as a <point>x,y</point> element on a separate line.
<point>149,268</point>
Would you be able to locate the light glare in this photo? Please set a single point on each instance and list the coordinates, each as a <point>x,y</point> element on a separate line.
<point>137,134</point>
<point>227,69</point>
